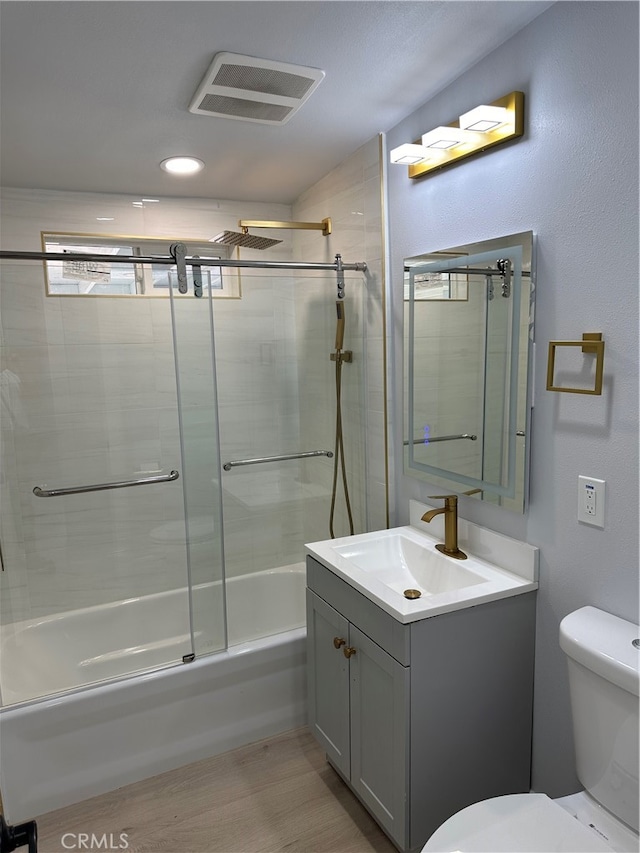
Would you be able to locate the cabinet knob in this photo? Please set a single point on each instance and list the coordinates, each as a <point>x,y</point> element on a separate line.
<point>349,651</point>
<point>338,641</point>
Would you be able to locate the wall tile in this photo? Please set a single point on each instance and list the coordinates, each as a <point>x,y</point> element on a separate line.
<point>95,398</point>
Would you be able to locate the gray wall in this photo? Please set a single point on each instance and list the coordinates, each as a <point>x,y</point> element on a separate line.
<point>573,180</point>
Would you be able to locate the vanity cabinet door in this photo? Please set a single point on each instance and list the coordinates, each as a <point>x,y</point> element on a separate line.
<point>379,733</point>
<point>328,674</point>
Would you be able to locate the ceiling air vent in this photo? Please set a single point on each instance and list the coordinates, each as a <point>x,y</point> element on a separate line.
<point>250,89</point>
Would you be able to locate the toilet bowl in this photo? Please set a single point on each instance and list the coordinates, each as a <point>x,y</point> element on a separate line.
<point>531,823</point>
<point>604,681</point>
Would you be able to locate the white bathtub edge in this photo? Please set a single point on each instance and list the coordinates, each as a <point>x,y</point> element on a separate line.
<point>70,748</point>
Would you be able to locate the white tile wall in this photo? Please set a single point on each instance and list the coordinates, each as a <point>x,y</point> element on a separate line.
<point>351,196</point>
<point>89,395</point>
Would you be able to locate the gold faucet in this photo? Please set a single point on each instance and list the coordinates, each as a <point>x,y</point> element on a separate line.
<point>450,510</point>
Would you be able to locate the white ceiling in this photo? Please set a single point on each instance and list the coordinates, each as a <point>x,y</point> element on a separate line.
<point>95,94</point>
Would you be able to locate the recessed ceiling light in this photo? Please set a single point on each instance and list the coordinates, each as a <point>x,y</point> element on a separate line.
<point>105,218</point>
<point>182,165</point>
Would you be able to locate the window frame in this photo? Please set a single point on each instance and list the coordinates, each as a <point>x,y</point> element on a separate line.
<point>228,284</point>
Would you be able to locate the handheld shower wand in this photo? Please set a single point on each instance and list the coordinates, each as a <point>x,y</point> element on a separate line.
<point>338,457</point>
<point>340,325</point>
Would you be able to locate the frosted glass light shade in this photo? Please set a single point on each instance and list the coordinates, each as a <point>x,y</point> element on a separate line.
<point>408,154</point>
<point>447,137</point>
<point>484,118</point>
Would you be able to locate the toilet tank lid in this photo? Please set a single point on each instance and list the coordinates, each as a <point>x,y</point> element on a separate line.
<point>604,644</point>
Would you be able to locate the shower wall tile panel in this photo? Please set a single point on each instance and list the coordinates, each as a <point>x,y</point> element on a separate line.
<point>351,196</point>
<point>96,398</point>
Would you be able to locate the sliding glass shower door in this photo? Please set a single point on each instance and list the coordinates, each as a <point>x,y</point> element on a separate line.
<point>118,413</point>
<point>277,421</point>
<point>106,514</point>
<point>202,533</point>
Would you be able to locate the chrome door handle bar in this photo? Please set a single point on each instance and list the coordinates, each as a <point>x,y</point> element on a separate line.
<point>229,465</point>
<point>443,438</point>
<point>39,492</point>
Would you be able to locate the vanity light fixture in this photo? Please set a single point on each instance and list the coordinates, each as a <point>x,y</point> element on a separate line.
<point>182,166</point>
<point>408,154</point>
<point>477,130</point>
<point>484,118</point>
<point>443,138</point>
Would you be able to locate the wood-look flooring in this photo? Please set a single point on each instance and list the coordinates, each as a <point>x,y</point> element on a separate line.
<point>275,795</point>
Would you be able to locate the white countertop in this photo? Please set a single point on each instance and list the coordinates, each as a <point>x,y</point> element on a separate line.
<point>385,587</point>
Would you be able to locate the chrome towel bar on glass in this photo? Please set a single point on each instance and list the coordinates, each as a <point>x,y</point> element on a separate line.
<point>229,465</point>
<point>99,487</point>
<point>444,438</point>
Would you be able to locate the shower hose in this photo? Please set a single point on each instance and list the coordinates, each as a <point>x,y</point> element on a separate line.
<point>338,455</point>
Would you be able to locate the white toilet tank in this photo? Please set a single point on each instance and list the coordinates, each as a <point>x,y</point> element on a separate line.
<point>604,682</point>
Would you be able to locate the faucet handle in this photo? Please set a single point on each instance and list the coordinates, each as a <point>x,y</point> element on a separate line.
<point>444,497</point>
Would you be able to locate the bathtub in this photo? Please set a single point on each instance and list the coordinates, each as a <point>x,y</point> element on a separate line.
<point>83,740</point>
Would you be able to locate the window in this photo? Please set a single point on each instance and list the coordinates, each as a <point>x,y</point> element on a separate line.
<point>72,277</point>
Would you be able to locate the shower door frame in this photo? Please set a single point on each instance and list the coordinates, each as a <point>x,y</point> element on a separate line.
<point>181,260</point>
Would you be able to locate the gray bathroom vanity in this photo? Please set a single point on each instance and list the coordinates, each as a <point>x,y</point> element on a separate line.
<point>425,716</point>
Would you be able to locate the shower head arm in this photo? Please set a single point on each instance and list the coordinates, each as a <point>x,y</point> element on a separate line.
<point>324,226</point>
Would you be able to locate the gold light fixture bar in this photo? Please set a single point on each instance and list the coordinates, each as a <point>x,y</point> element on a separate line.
<point>324,226</point>
<point>511,129</point>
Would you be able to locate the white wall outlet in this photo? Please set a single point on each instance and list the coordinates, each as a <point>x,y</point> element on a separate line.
<point>591,499</point>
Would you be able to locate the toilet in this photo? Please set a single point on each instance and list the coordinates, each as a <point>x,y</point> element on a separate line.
<point>604,661</point>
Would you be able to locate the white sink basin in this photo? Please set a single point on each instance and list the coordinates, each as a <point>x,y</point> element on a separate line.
<point>401,563</point>
<point>385,564</point>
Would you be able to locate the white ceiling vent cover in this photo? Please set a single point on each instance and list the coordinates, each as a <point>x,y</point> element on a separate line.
<point>250,89</point>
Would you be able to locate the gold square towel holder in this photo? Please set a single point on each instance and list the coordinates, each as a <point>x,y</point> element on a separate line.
<point>591,343</point>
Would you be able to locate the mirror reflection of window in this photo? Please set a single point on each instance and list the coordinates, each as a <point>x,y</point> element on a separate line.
<point>447,286</point>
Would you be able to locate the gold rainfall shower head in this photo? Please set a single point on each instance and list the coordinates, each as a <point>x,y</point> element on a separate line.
<point>250,241</point>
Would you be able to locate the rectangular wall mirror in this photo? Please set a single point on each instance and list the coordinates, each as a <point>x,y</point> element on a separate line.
<point>468,333</point>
